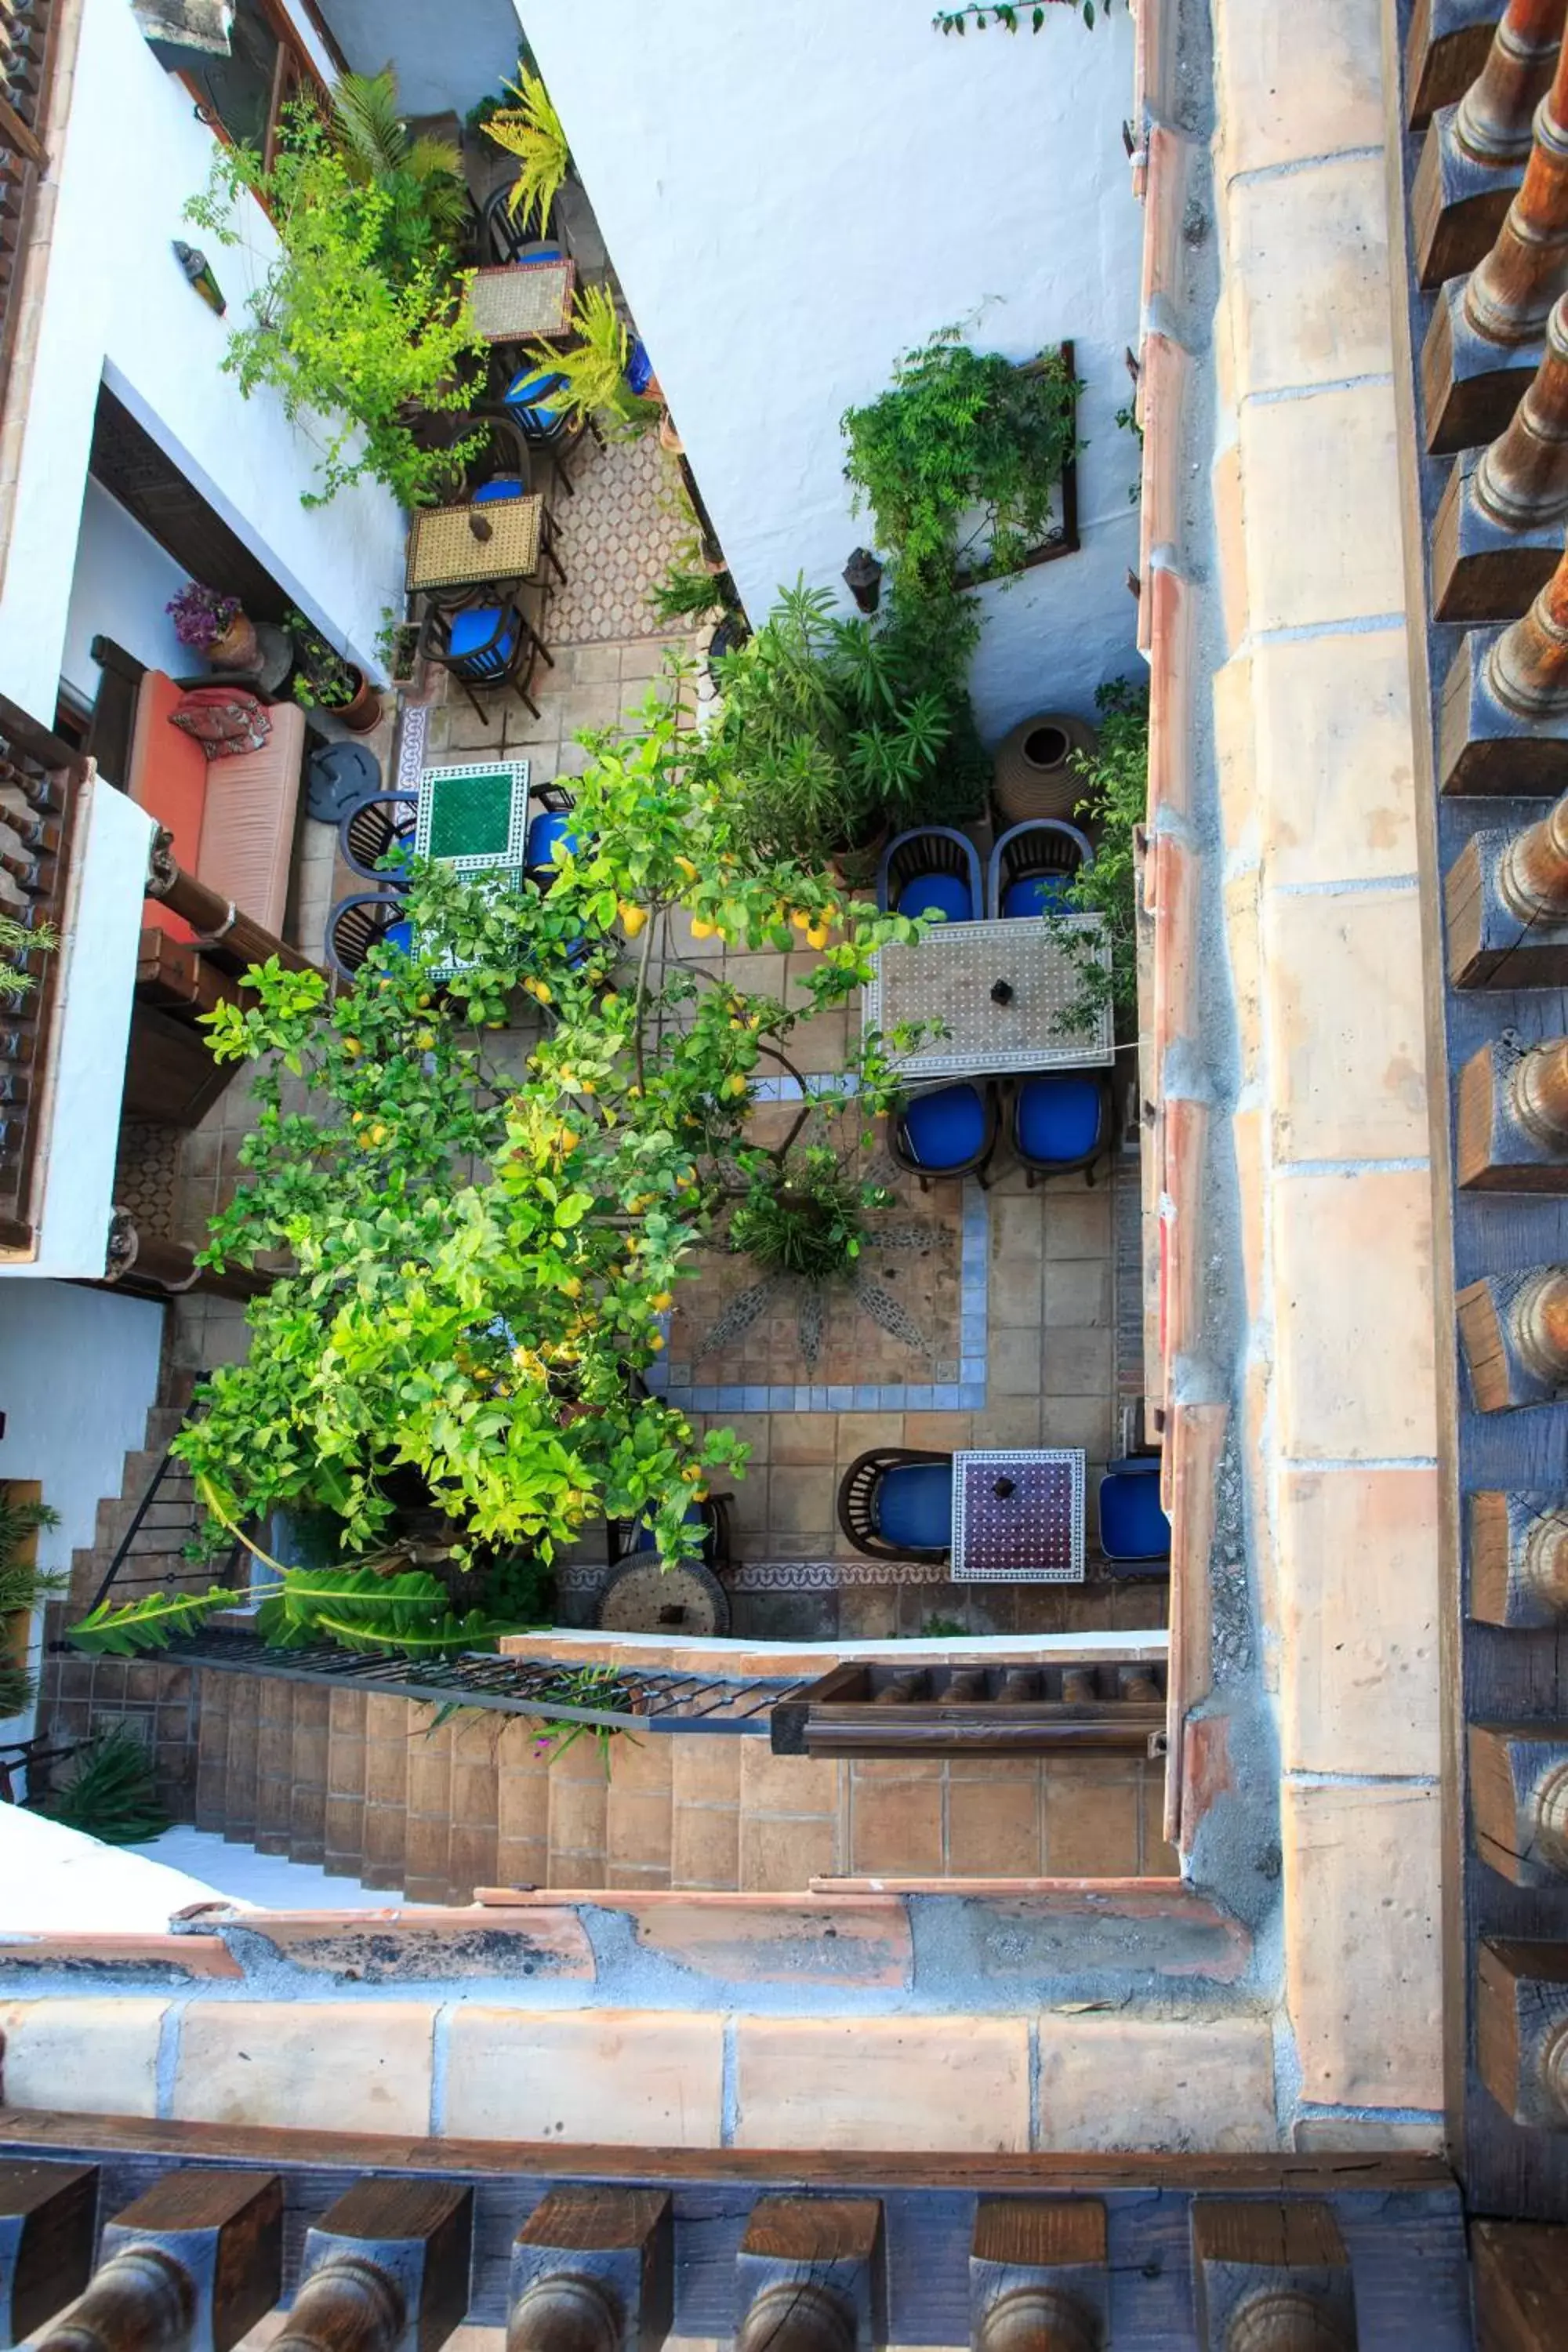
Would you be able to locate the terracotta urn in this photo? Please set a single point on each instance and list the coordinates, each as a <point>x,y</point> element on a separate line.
<point>364,711</point>
<point>1036,773</point>
<point>239,647</point>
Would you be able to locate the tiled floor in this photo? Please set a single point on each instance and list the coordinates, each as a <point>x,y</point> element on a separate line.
<point>620,532</point>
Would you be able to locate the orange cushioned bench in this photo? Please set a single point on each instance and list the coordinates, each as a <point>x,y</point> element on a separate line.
<point>232,820</point>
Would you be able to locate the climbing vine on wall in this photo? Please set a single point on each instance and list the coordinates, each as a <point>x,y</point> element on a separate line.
<point>980,13</point>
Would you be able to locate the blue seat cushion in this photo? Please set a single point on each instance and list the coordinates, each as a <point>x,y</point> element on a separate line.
<point>914,1505</point>
<point>938,894</point>
<point>1131,1524</point>
<point>1060,1118</point>
<point>399,938</point>
<point>500,486</point>
<point>947,1128</point>
<point>639,368</point>
<point>472,632</point>
<point>531,392</point>
<point>1038,893</point>
<point>542,836</point>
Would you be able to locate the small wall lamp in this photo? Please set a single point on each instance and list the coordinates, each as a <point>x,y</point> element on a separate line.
<point>863,578</point>
<point>199,272</point>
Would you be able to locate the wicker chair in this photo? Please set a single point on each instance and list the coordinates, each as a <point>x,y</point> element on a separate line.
<point>488,645</point>
<point>360,923</point>
<point>934,870</point>
<point>890,1503</point>
<point>946,1131</point>
<point>1061,1121</point>
<point>1032,867</point>
<point>626,1537</point>
<point>380,827</point>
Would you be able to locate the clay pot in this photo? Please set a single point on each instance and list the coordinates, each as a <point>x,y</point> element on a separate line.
<point>1035,775</point>
<point>855,869</point>
<point>239,647</point>
<point>669,439</point>
<point>364,711</point>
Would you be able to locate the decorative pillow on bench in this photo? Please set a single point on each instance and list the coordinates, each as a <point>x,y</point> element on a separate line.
<point>224,720</point>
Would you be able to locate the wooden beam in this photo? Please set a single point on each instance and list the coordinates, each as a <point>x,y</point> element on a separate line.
<point>1521,2285</point>
<point>48,2218</point>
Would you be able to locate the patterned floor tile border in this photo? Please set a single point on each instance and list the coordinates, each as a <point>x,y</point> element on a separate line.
<point>411,736</point>
<point>786,1575</point>
<point>966,1394</point>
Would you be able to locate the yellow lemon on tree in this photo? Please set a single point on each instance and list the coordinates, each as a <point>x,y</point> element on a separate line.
<point>816,937</point>
<point>352,1046</point>
<point>688,868</point>
<point>425,1040</point>
<point>701,931</point>
<point>799,918</point>
<point>573,1286</point>
<point>656,1340</point>
<point>735,1083</point>
<point>632,917</point>
<point>662,1299</point>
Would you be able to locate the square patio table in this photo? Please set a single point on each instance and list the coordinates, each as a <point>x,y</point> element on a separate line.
<point>1030,1532</point>
<point>474,817</point>
<point>951,976</point>
<point>523,298</point>
<point>469,546</point>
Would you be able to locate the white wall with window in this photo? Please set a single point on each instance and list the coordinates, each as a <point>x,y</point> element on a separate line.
<point>796,193</point>
<point>117,309</point>
<point>120,588</point>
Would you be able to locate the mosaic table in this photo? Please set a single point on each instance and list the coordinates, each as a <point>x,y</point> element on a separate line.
<point>1018,1516</point>
<point>469,546</point>
<point>474,817</point>
<point>523,298</point>
<point>955,975</point>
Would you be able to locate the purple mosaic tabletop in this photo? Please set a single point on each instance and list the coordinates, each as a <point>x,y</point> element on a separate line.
<point>1017,1516</point>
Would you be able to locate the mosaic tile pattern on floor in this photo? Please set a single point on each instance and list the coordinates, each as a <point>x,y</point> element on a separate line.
<point>620,532</point>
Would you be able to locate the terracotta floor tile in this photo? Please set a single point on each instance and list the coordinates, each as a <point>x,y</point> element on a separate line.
<point>636,1827</point>
<point>782,1857</point>
<point>706,1770</point>
<point>993,1828</point>
<point>786,1784</point>
<point>577,1816</point>
<point>894,1828</point>
<point>705,1846</point>
<point>1091,1819</point>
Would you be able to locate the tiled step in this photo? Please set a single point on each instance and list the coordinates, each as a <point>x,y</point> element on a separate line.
<point>212,1751</point>
<point>273,1763</point>
<point>344,1809</point>
<point>427,1836</point>
<point>239,1785</point>
<point>523,1820</point>
<point>471,1858</point>
<point>308,1795</point>
<point>577,1816</point>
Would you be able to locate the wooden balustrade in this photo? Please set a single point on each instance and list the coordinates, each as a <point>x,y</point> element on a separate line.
<point>811,2276</point>
<point>348,2304</point>
<point>1271,2277</point>
<point>1497,535</point>
<point>870,1709</point>
<point>1445,50</point>
<point>1038,2276</point>
<point>26,72</point>
<point>1518,1559</point>
<point>1472,154</point>
<point>1518,1799</point>
<point>1506,899</point>
<point>592,2270</point>
<point>1480,348</point>
<point>1521,2030</point>
<point>232,938</point>
<point>47,2220</point>
<point>387,2265</point>
<point>1512,1123</point>
<point>191,2266</point>
<point>1514,1333</point>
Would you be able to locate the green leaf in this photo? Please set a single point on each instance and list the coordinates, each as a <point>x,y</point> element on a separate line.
<point>136,1626</point>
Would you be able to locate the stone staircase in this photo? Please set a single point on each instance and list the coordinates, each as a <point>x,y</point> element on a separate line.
<point>92,1563</point>
<point>435,1803</point>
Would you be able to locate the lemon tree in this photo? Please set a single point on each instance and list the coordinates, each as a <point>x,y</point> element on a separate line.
<point>482,1171</point>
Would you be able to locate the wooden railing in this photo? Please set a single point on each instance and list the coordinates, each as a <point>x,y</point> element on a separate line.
<point>26,61</point>
<point>1015,1706</point>
<point>40,779</point>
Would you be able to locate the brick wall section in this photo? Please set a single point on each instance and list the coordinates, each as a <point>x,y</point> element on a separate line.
<point>1324,1166</point>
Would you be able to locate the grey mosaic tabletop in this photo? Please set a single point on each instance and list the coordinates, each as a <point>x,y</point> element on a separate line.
<point>1017,1516</point>
<point>957,975</point>
<point>523,298</point>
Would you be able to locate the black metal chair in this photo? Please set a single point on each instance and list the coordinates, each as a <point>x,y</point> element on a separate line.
<point>933,870</point>
<point>506,235</point>
<point>356,925</point>
<point>379,828</point>
<point>1062,1121</point>
<point>895,1503</point>
<point>488,643</point>
<point>1032,867</point>
<point>946,1131</point>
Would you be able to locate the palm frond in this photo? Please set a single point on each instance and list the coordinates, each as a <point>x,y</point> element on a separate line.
<point>370,130</point>
<point>136,1626</point>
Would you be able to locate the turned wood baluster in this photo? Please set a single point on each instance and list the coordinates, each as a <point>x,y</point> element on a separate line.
<point>1284,2321</point>
<point>1521,481</point>
<point>1036,2319</point>
<point>1509,295</point>
<point>1540,1091</point>
<point>1527,670</point>
<point>796,2316</point>
<point>348,2304</point>
<point>567,2313</point>
<point>1533,874</point>
<point>140,2301</point>
<point>1494,121</point>
<point>1539,1322</point>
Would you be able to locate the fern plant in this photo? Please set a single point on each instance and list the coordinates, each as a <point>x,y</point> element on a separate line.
<point>532,131</point>
<point>592,372</point>
<point>111,1793</point>
<point>22,1586</point>
<point>422,178</point>
<point>17,941</point>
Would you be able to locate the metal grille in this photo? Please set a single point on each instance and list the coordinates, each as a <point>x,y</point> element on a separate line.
<point>164,1549</point>
<point>951,976</point>
<point>652,1701</point>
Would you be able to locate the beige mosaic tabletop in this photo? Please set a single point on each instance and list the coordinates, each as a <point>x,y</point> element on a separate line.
<point>523,298</point>
<point>956,975</point>
<point>462,547</point>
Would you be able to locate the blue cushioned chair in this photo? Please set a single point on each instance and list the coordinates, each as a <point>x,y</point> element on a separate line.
<point>934,870</point>
<point>371,919</point>
<point>375,840</point>
<point>895,1504</point>
<point>1134,1532</point>
<point>487,647</point>
<point>951,1131</point>
<point>712,1515</point>
<point>1033,865</point>
<point>532,399</point>
<point>1061,1122</point>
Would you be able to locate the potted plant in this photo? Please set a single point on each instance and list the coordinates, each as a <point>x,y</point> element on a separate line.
<point>323,681</point>
<point>592,375</point>
<point>214,626</point>
<point>806,1218</point>
<point>398,643</point>
<point>531,130</point>
<point>23,1584</point>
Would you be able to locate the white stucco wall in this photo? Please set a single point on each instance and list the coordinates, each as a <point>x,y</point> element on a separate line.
<point>119,588</point>
<point>78,1373</point>
<point>794,194</point>
<point>447,58</point>
<point>117,307</point>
